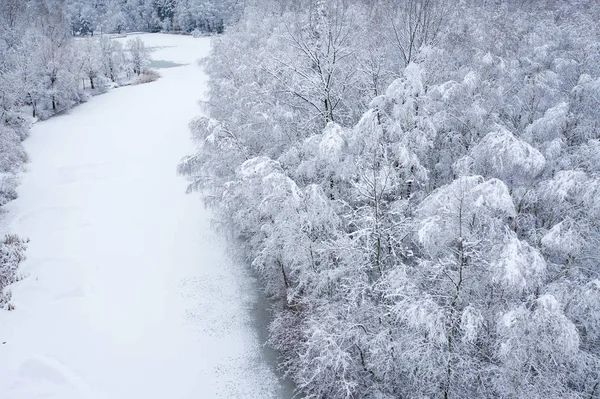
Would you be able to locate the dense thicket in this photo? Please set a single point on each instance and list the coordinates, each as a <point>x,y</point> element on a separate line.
<point>417,185</point>
<point>89,16</point>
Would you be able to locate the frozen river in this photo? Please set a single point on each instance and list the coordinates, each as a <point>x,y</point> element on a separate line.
<point>129,294</point>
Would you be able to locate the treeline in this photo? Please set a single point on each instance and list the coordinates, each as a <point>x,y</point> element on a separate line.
<point>116,16</point>
<point>43,71</point>
<point>417,185</point>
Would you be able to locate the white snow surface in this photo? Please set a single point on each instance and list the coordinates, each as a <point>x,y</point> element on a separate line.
<point>128,292</point>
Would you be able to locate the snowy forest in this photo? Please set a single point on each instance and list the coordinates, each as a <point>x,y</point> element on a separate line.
<point>417,185</point>
<point>88,16</point>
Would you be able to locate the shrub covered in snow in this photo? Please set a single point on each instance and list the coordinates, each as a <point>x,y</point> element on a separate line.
<point>12,253</point>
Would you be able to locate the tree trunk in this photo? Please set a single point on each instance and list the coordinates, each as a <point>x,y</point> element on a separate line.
<point>285,279</point>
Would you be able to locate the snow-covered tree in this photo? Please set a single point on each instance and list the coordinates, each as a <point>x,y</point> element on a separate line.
<point>139,57</point>
<point>113,59</point>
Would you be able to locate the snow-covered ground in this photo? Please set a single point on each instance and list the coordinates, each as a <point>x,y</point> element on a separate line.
<point>129,293</point>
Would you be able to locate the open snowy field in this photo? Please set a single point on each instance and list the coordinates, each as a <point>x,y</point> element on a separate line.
<point>128,293</point>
